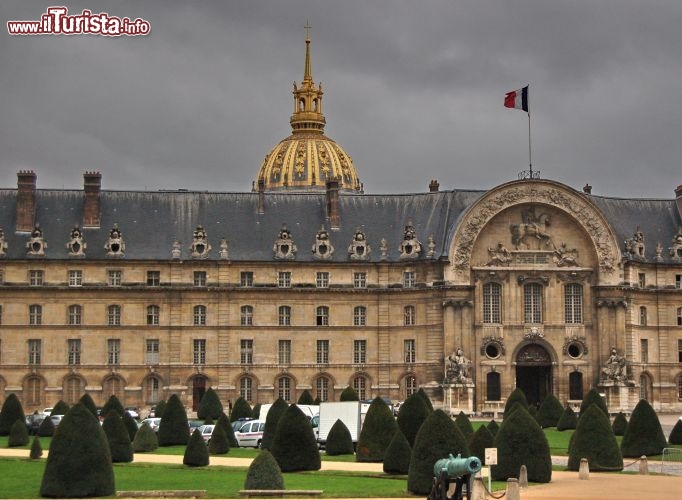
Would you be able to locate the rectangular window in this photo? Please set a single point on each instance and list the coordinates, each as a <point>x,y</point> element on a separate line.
<point>322,316</point>
<point>644,350</point>
<point>322,280</point>
<point>532,305</point>
<point>199,278</point>
<point>74,351</point>
<point>322,353</point>
<point>410,350</point>
<point>679,351</point>
<point>678,281</point>
<point>247,315</point>
<point>679,316</point>
<point>641,280</point>
<point>75,277</point>
<point>492,296</point>
<point>359,316</point>
<point>34,351</point>
<point>75,315</point>
<point>284,279</point>
<point>284,352</point>
<point>573,303</point>
<point>153,314</point>
<point>35,277</point>
<point>409,279</point>
<point>360,280</point>
<point>114,315</point>
<point>153,278</point>
<point>246,279</point>
<point>199,351</point>
<point>152,352</point>
<point>200,315</point>
<point>114,277</point>
<point>409,316</point>
<point>284,316</point>
<point>35,315</point>
<point>359,351</point>
<point>246,351</point>
<point>113,351</point>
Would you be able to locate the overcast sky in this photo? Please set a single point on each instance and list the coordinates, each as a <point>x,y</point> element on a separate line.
<point>414,91</point>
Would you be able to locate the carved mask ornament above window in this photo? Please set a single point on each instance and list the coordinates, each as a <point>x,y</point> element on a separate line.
<point>36,245</point>
<point>76,245</point>
<point>284,247</point>
<point>3,243</point>
<point>359,249</point>
<point>200,246</point>
<point>115,246</point>
<point>322,249</point>
<point>410,247</point>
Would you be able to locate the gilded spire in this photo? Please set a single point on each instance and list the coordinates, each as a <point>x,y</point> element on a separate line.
<point>307,117</point>
<point>308,71</point>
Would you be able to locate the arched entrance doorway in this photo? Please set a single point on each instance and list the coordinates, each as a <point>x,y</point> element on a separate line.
<point>198,391</point>
<point>534,372</point>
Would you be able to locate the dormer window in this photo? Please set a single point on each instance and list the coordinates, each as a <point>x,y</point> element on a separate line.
<point>200,246</point>
<point>115,246</point>
<point>410,247</point>
<point>3,243</point>
<point>76,245</point>
<point>36,245</point>
<point>284,247</point>
<point>322,249</point>
<point>359,249</point>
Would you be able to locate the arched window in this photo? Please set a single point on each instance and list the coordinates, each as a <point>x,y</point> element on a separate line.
<point>113,386</point>
<point>359,316</point>
<point>645,387</point>
<point>33,391</point>
<point>152,390</point>
<point>410,386</point>
<point>322,388</point>
<point>642,316</point>
<point>409,315</point>
<point>247,315</point>
<point>573,303</point>
<point>153,314</point>
<point>532,303</point>
<point>75,315</point>
<point>322,316</point>
<point>284,388</point>
<point>284,316</point>
<point>114,315</point>
<point>493,387</point>
<point>73,389</point>
<point>679,387</point>
<point>575,385</point>
<point>360,386</point>
<point>246,388</point>
<point>492,295</point>
<point>200,315</point>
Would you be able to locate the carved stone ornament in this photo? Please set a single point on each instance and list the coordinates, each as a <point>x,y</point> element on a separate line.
<point>176,250</point>
<point>615,368</point>
<point>534,334</point>
<point>431,245</point>
<point>284,247</point>
<point>565,257</point>
<point>491,276</point>
<point>224,249</point>
<point>532,232</point>
<point>115,245</point>
<point>359,249</point>
<point>659,252</point>
<point>498,256</point>
<point>573,276</point>
<point>76,245</point>
<point>383,248</point>
<point>533,354</point>
<point>323,248</point>
<point>410,247</point>
<point>458,368</point>
<point>3,243</point>
<point>580,341</point>
<point>496,341</point>
<point>200,246</point>
<point>537,192</point>
<point>36,245</point>
<point>676,248</point>
<point>634,247</point>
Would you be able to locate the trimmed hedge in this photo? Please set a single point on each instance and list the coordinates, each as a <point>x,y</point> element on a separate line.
<point>516,396</point>
<point>568,420</point>
<point>550,412</point>
<point>196,453</point>
<point>620,424</point>
<point>644,435</point>
<point>173,427</point>
<point>426,398</point>
<point>46,428</point>
<point>240,409</point>
<point>145,439</point>
<point>18,434</point>
<point>339,440</point>
<point>676,434</point>
<point>61,408</point>
<point>113,403</point>
<point>117,435</point>
<point>398,453</point>
<point>264,473</point>
<point>349,394</point>
<point>10,413</point>
<point>464,424</point>
<point>210,406</point>
<point>86,400</point>
<point>593,397</point>
<point>295,446</point>
<point>306,398</point>
<point>411,416</point>
<point>377,432</point>
<point>479,441</point>
<point>219,444</point>
<point>160,409</point>
<point>594,440</point>
<point>493,427</point>
<point>271,420</point>
<point>36,449</point>
<point>224,422</point>
<point>131,425</point>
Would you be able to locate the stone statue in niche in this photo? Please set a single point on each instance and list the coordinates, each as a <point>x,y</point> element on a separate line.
<point>224,249</point>
<point>565,257</point>
<point>176,250</point>
<point>532,233</point>
<point>410,247</point>
<point>499,256</point>
<point>431,245</point>
<point>284,247</point>
<point>115,245</point>
<point>615,368</point>
<point>359,249</point>
<point>634,247</point>
<point>76,245</point>
<point>3,243</point>
<point>200,246</point>
<point>457,367</point>
<point>323,248</point>
<point>36,245</point>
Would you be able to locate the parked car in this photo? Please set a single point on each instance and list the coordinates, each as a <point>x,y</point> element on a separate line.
<point>153,423</point>
<point>239,422</point>
<point>207,432</point>
<point>56,419</point>
<point>133,412</point>
<point>47,412</point>
<point>194,425</point>
<point>33,422</point>
<point>152,412</point>
<point>250,434</point>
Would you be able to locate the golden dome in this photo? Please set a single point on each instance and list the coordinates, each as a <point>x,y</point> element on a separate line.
<point>307,159</point>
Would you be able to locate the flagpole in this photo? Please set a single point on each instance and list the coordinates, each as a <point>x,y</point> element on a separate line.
<point>530,161</point>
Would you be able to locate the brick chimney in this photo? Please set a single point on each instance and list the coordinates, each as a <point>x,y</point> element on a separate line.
<point>434,186</point>
<point>261,196</point>
<point>587,189</point>
<point>26,200</point>
<point>92,184</point>
<point>678,197</point>
<point>333,203</point>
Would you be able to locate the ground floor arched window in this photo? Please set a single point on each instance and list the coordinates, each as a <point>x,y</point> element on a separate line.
<point>322,388</point>
<point>360,386</point>
<point>152,390</point>
<point>493,387</point>
<point>410,386</point>
<point>575,385</point>
<point>645,387</point>
<point>33,391</point>
<point>246,388</point>
<point>74,388</point>
<point>113,386</point>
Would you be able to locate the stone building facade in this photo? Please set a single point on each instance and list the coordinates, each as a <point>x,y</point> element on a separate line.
<point>306,282</point>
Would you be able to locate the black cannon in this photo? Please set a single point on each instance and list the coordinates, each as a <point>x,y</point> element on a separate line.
<point>456,470</point>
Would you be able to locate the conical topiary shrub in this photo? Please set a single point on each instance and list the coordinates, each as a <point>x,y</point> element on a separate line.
<point>210,406</point>
<point>79,462</point>
<point>264,473</point>
<point>224,422</point>
<point>411,416</point>
<point>130,424</point>
<point>117,435</point>
<point>46,428</point>
<point>10,413</point>
<point>520,441</point>
<point>18,434</point>
<point>256,411</point>
<point>218,445</point>
<point>86,400</point>
<point>240,409</point>
<point>317,401</point>
<point>594,440</point>
<point>349,394</point>
<point>173,428</point>
<point>196,453</point>
<point>339,440</point>
<point>377,432</point>
<point>160,409</point>
<point>426,398</point>
<point>295,446</point>
<point>516,396</point>
<point>306,398</point>
<point>676,434</point>
<point>113,403</point>
<point>145,439</point>
<point>550,412</point>
<point>61,408</point>
<point>479,441</point>
<point>464,424</point>
<point>270,429</point>
<point>36,449</point>
<point>437,437</point>
<point>568,420</point>
<point>493,427</point>
<point>644,435</point>
<point>593,397</point>
<point>398,453</point>
<point>620,424</point>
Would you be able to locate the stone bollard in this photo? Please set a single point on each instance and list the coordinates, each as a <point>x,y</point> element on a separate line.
<point>643,465</point>
<point>513,492</point>
<point>523,477</point>
<point>584,471</point>
<point>478,488</point>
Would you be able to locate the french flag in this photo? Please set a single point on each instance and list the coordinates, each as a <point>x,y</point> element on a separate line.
<point>517,99</point>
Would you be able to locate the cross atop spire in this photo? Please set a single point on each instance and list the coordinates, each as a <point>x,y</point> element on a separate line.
<point>308,71</point>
